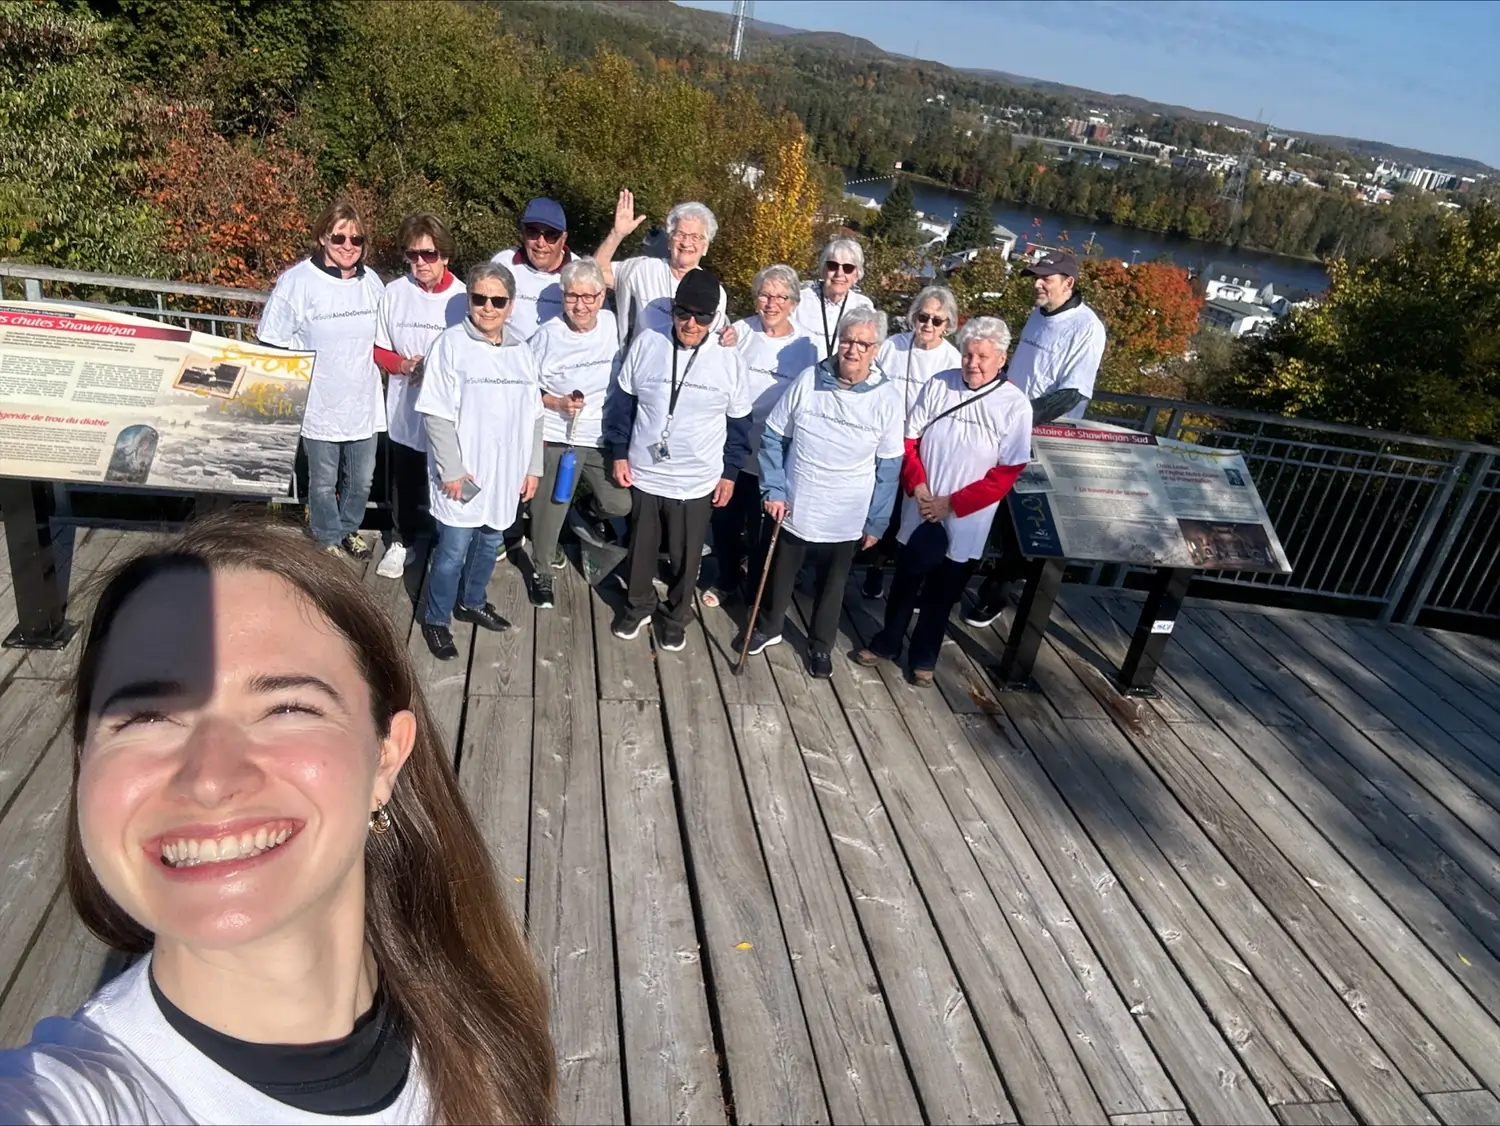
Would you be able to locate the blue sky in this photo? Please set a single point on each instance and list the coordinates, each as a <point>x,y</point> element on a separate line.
<point>1424,75</point>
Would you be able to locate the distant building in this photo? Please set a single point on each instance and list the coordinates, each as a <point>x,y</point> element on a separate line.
<point>1427,179</point>
<point>1097,132</point>
<point>1234,283</point>
<point>1235,317</point>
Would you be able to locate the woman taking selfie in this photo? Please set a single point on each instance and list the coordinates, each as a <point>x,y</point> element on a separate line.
<point>262,807</point>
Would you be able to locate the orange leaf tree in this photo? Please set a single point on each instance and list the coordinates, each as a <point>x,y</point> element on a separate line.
<point>1150,314</point>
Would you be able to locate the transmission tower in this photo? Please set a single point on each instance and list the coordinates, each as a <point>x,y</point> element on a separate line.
<point>1233,190</point>
<point>744,11</point>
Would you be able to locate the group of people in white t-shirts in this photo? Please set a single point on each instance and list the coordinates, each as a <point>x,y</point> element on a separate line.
<point>861,446</point>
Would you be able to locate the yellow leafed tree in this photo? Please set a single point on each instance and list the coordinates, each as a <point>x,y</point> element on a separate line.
<point>778,223</point>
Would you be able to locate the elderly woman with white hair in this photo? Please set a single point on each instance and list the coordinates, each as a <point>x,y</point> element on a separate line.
<point>823,303</point>
<point>967,440</point>
<point>776,352</point>
<point>829,465</point>
<point>577,356</point>
<point>911,358</point>
<point>644,285</point>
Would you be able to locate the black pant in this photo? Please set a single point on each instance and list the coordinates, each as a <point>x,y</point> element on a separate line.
<point>887,548</point>
<point>832,562</point>
<point>685,526</point>
<point>408,477</point>
<point>740,531</point>
<point>936,587</point>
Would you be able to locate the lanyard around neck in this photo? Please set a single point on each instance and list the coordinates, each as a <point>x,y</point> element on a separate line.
<point>823,308</point>
<point>678,384</point>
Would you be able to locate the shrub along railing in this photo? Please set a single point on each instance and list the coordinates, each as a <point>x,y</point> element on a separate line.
<point>1396,526</point>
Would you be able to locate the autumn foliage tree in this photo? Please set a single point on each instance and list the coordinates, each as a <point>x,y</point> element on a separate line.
<point>1150,313</point>
<point>779,221</point>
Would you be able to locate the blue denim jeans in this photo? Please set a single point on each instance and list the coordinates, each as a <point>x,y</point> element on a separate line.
<point>339,475</point>
<point>462,563</point>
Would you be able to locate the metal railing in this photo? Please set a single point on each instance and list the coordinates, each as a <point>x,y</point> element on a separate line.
<point>1396,522</point>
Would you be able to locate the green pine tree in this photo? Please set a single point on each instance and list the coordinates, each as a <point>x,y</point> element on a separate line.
<point>897,222</point>
<point>975,226</point>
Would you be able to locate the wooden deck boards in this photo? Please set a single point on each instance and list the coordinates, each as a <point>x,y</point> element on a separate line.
<point>1270,895</point>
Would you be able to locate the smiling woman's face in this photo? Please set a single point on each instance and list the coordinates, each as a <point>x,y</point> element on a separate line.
<point>231,761</point>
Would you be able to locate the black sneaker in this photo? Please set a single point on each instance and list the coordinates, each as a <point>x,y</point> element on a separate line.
<point>355,545</point>
<point>874,585</point>
<point>541,591</point>
<point>670,636</point>
<point>984,611</point>
<point>439,642</point>
<point>759,642</point>
<point>819,665</point>
<point>486,617</point>
<point>627,628</point>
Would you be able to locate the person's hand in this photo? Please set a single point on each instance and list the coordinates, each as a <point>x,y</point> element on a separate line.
<point>775,509</point>
<point>454,490</point>
<point>936,508</point>
<point>622,473</point>
<point>723,491</point>
<point>729,337</point>
<point>528,488</point>
<point>868,542</point>
<point>564,405</point>
<point>626,220</point>
<point>410,364</point>
<point>922,493</point>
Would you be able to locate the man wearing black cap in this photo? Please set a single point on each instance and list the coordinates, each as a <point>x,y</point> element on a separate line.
<point>678,414</point>
<point>535,264</point>
<point>1053,365</point>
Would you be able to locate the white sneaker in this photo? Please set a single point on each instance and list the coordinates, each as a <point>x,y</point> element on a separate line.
<point>393,562</point>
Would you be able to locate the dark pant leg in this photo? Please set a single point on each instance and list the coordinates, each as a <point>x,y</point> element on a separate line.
<point>409,482</point>
<point>1010,564</point>
<point>834,563</point>
<point>640,561</point>
<point>940,593</point>
<point>900,604</point>
<point>781,584</point>
<point>737,534</point>
<point>686,524</point>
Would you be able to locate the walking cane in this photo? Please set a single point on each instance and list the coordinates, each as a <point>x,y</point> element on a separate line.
<point>760,590</point>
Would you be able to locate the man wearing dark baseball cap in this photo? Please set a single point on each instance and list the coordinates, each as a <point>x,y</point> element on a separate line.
<point>678,415</point>
<point>1054,365</point>
<point>535,263</point>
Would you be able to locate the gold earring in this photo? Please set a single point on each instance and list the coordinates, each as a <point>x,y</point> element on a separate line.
<point>380,820</point>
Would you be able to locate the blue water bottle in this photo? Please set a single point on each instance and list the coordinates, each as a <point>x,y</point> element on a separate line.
<point>567,465</point>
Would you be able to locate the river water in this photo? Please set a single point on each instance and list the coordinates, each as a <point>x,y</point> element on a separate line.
<point>944,205</point>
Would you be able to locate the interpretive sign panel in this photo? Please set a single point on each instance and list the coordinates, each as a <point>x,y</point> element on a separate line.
<point>1118,496</point>
<point>93,395</point>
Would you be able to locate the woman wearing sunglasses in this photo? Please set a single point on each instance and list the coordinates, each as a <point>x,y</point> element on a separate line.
<point>262,811</point>
<point>482,406</point>
<point>329,304</point>
<point>910,359</point>
<point>414,309</point>
<point>823,303</point>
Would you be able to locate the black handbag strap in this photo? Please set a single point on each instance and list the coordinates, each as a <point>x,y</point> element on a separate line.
<point>961,404</point>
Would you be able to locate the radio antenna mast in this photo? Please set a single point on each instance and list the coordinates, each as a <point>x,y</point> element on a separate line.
<point>744,11</point>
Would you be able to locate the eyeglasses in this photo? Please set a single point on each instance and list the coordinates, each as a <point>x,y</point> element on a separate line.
<point>428,256</point>
<point>835,267</point>
<point>704,319</point>
<point>339,240</point>
<point>582,298</point>
<point>546,234</point>
<point>689,240</point>
<point>784,298</point>
<point>860,346</point>
<point>931,319</point>
<point>480,300</point>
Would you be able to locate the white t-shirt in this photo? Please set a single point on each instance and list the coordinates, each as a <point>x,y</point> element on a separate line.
<point>962,447</point>
<point>490,393</point>
<point>771,364</point>
<point>1059,351</point>
<point>837,433</point>
<point>713,389</point>
<point>335,317</point>
<point>117,1060</point>
<point>410,320</point>
<point>910,368</point>
<point>644,289</point>
<point>538,293</point>
<point>568,361</point>
<point>820,319</point>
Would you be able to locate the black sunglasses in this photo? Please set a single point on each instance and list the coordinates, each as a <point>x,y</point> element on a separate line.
<point>422,256</point>
<point>931,319</point>
<point>704,319</point>
<point>480,300</point>
<point>546,234</point>
<point>339,240</point>
<point>835,267</point>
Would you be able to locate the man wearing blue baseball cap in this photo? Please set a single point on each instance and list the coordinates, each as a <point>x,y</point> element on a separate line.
<point>536,263</point>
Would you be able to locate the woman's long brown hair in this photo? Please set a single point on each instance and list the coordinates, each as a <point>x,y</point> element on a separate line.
<point>451,958</point>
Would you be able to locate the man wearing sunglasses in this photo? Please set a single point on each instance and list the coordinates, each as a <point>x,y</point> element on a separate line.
<point>678,415</point>
<point>822,304</point>
<point>536,264</point>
